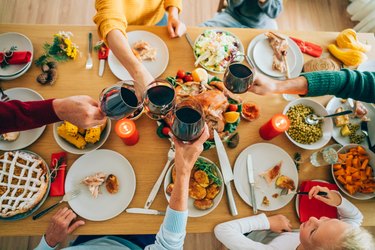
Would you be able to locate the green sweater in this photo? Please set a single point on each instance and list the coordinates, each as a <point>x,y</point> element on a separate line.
<point>345,84</point>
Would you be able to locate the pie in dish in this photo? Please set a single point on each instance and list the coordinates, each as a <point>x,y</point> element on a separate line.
<point>23,182</point>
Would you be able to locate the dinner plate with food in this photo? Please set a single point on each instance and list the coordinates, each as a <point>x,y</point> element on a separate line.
<point>214,50</point>
<point>276,177</point>
<point>107,183</point>
<point>22,139</point>
<point>149,49</point>
<point>24,182</point>
<point>276,55</point>
<point>347,128</point>
<point>205,188</point>
<point>76,140</point>
<point>354,172</point>
<point>302,134</point>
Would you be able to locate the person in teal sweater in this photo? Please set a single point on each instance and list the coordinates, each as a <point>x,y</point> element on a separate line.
<point>345,84</point>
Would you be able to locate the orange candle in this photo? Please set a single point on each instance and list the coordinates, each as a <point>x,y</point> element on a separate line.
<point>278,124</point>
<point>127,131</point>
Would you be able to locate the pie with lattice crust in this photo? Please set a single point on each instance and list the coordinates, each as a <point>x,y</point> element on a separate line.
<point>23,182</point>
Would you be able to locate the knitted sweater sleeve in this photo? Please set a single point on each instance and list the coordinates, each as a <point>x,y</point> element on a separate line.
<point>345,84</point>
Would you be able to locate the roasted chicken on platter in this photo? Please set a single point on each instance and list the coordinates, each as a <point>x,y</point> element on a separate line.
<point>279,46</point>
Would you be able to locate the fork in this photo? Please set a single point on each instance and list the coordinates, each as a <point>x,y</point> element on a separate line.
<point>67,197</point>
<point>89,63</point>
<point>4,97</point>
<point>155,188</point>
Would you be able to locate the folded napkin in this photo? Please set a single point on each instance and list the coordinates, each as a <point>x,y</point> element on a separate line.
<point>18,57</point>
<point>103,52</point>
<point>315,208</point>
<point>57,183</point>
<point>309,48</point>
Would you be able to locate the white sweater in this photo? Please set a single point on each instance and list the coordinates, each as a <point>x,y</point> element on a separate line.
<point>231,233</point>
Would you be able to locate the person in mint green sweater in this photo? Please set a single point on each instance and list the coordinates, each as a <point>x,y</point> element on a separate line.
<point>344,84</point>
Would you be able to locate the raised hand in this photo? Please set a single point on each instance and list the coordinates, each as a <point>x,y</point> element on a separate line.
<point>332,198</point>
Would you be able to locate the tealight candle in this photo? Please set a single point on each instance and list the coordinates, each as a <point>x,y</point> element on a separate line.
<point>276,125</point>
<point>127,131</point>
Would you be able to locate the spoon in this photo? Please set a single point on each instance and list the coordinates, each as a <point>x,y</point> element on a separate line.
<point>313,119</point>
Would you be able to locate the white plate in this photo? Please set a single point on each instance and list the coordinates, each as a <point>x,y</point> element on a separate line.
<point>12,77</point>
<point>367,66</point>
<point>263,58</point>
<point>26,137</point>
<point>262,161</point>
<point>292,45</point>
<point>333,105</point>
<point>89,146</point>
<point>327,125</point>
<point>357,195</point>
<point>156,68</point>
<point>7,40</point>
<point>193,211</point>
<point>106,205</point>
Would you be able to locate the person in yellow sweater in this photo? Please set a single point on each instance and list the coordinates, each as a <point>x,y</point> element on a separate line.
<point>113,17</point>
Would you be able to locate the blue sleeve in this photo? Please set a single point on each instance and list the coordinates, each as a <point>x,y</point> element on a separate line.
<point>172,232</point>
<point>272,8</point>
<point>43,245</point>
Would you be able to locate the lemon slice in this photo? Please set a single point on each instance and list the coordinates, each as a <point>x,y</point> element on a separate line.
<point>231,117</point>
<point>200,75</point>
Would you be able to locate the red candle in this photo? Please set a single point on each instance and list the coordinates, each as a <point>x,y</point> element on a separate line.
<point>127,131</point>
<point>278,124</point>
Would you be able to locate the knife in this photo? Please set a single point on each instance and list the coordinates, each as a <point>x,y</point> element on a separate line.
<point>144,211</point>
<point>364,128</point>
<point>189,40</point>
<point>226,171</point>
<point>102,54</point>
<point>250,175</point>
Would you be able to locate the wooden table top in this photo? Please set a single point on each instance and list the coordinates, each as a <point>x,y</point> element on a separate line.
<point>74,79</point>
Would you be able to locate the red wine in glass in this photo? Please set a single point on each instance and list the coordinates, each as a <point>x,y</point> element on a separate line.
<point>159,99</point>
<point>238,77</point>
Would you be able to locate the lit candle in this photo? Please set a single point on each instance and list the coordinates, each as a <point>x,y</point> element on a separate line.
<point>127,131</point>
<point>276,125</point>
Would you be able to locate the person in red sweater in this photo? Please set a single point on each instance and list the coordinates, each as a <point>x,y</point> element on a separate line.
<point>83,111</point>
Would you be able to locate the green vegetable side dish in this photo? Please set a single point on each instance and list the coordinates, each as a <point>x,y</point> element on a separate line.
<point>210,170</point>
<point>299,130</point>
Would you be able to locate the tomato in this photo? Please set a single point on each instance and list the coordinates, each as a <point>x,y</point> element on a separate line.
<point>165,131</point>
<point>250,111</point>
<point>188,78</point>
<point>180,74</point>
<point>232,107</point>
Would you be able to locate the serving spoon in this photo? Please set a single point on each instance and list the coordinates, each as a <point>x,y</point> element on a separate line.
<point>313,119</point>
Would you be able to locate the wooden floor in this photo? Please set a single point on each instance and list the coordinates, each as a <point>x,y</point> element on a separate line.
<point>319,15</point>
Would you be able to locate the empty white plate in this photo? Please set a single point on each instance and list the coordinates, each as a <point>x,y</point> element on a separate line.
<point>156,68</point>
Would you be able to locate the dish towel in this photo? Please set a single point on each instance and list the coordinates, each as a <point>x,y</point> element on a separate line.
<point>314,207</point>
<point>18,57</point>
<point>58,167</point>
<point>309,48</point>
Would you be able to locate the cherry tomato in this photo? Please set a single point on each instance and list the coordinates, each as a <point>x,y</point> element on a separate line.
<point>188,78</point>
<point>232,107</point>
<point>180,74</point>
<point>165,131</point>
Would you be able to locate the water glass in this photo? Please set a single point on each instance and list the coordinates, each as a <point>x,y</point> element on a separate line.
<point>325,156</point>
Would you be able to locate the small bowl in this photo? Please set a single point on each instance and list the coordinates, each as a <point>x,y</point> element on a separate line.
<point>89,147</point>
<point>357,195</point>
<point>327,125</point>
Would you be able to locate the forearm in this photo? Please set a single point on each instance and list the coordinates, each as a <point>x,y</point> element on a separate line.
<point>297,86</point>
<point>180,192</point>
<point>349,213</point>
<point>43,245</point>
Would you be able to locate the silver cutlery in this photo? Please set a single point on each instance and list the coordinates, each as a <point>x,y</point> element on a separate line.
<point>313,119</point>
<point>67,197</point>
<point>286,191</point>
<point>4,97</point>
<point>189,40</point>
<point>226,171</point>
<point>250,175</point>
<point>364,129</point>
<point>89,63</point>
<point>144,211</point>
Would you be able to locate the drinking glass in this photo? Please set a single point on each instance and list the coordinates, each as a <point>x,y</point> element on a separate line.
<point>120,100</point>
<point>323,157</point>
<point>159,99</point>
<point>187,120</point>
<point>238,77</point>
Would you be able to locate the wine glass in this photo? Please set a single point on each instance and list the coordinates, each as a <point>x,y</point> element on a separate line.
<point>187,120</point>
<point>159,99</point>
<point>238,77</point>
<point>120,100</point>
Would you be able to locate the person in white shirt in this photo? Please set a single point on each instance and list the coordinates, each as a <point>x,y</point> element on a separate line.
<point>317,234</point>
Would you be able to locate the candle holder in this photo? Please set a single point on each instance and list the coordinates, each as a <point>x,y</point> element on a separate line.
<point>127,131</point>
<point>276,125</point>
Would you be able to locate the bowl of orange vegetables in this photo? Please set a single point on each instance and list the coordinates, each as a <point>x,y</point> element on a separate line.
<point>354,172</point>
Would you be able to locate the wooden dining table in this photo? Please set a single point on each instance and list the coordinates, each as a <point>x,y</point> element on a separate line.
<point>149,155</point>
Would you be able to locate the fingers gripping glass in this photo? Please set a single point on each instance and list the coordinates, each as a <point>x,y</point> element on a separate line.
<point>120,100</point>
<point>238,77</point>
